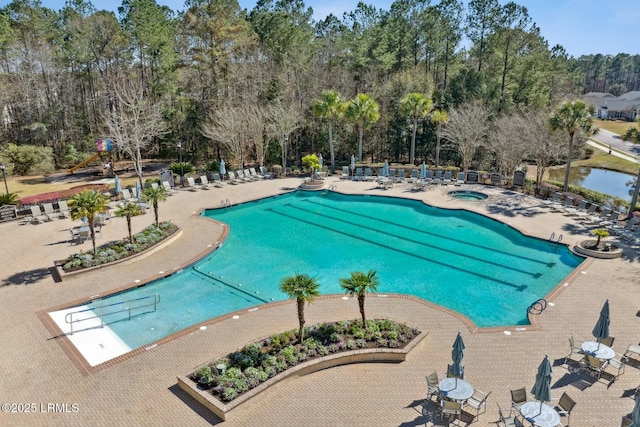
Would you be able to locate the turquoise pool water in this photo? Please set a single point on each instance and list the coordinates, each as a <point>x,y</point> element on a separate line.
<point>469,263</point>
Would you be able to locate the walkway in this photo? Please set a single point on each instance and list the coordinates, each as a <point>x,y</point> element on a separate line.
<point>141,390</point>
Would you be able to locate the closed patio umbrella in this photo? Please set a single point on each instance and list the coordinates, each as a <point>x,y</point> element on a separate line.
<point>138,190</point>
<point>223,170</point>
<point>353,162</point>
<point>385,169</point>
<point>117,184</point>
<point>635,414</point>
<point>423,170</point>
<point>320,160</point>
<point>542,388</point>
<point>456,355</point>
<point>601,330</point>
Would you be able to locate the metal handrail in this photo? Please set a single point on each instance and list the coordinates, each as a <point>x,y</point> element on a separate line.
<point>68,318</point>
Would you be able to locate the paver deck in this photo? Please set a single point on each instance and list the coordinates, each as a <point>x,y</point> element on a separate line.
<point>141,390</point>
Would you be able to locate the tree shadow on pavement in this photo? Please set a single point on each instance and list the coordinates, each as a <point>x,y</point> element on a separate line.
<point>27,277</point>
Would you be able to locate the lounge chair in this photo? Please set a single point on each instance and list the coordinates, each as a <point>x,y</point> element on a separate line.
<point>368,175</point>
<point>611,219</point>
<point>232,178</point>
<point>478,402</point>
<point>204,182</point>
<point>617,229</point>
<point>217,181</point>
<point>392,174</point>
<point>460,180</point>
<point>345,173</point>
<point>565,406</point>
<point>38,215</point>
<point>263,172</point>
<point>446,180</point>
<point>126,195</point>
<point>433,387</point>
<point>49,211</point>
<point>568,207</point>
<point>170,191</point>
<point>64,209</point>
<point>414,176</point>
<point>380,173</point>
<point>417,186</point>
<point>192,184</point>
<point>400,175</point>
<point>248,176</point>
<point>437,179</point>
<point>154,185</point>
<point>255,175</point>
<point>358,176</point>
<point>428,177</point>
<point>589,213</point>
<point>518,398</point>
<point>555,202</point>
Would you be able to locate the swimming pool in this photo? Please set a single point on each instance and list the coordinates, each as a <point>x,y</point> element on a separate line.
<point>467,195</point>
<point>469,263</point>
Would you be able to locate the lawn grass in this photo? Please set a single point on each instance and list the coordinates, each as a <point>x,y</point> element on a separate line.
<point>614,126</point>
<point>602,160</point>
<point>25,186</point>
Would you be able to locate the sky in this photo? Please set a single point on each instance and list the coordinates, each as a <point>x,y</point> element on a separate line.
<point>582,27</point>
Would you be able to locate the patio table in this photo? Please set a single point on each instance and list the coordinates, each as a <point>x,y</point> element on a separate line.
<point>600,351</point>
<point>456,389</point>
<point>540,415</point>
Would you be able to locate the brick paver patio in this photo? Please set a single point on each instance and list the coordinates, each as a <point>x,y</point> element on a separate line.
<point>142,390</point>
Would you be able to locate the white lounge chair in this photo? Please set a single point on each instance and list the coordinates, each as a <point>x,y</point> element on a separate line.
<point>345,173</point>
<point>64,209</point>
<point>192,184</point>
<point>460,180</point>
<point>368,176</point>
<point>446,180</point>
<point>358,176</point>
<point>167,188</point>
<point>204,182</point>
<point>217,181</point>
<point>126,195</point>
<point>400,175</point>
<point>255,175</point>
<point>38,215</point>
<point>414,176</point>
<point>49,211</point>
<point>264,173</point>
<point>232,178</point>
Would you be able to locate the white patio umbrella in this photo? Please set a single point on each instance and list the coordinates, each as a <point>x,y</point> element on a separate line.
<point>138,190</point>
<point>320,160</point>
<point>385,169</point>
<point>223,170</point>
<point>423,170</point>
<point>117,184</point>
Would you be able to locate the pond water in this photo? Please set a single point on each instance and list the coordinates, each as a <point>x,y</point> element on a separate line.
<point>601,180</point>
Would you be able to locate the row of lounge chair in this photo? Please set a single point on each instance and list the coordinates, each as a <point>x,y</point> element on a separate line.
<point>601,216</point>
<point>38,215</point>
<point>430,177</point>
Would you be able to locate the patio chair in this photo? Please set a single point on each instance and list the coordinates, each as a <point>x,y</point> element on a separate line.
<point>438,178</point>
<point>414,176</point>
<point>460,180</point>
<point>63,209</point>
<point>446,180</point>
<point>358,176</point>
<point>594,365</point>
<point>589,214</point>
<point>565,406</point>
<point>126,195</point>
<point>255,175</point>
<point>232,178</point>
<point>478,402</point>
<point>345,172</point>
<point>507,420</point>
<point>392,174</point>
<point>628,229</point>
<point>574,349</point>
<point>615,367</point>
<point>450,409</point>
<point>433,387</point>
<point>154,185</point>
<point>204,183</point>
<point>368,174</point>
<point>428,177</point>
<point>75,237</point>
<point>555,203</point>
<point>400,175</point>
<point>518,398</point>
<point>608,341</point>
<point>248,176</point>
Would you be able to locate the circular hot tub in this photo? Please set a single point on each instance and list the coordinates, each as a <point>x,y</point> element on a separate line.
<point>467,195</point>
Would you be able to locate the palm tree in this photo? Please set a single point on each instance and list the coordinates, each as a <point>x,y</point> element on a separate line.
<point>359,284</point>
<point>330,107</point>
<point>88,204</point>
<point>153,196</point>
<point>415,106</point>
<point>573,117</point>
<point>439,117</point>
<point>129,210</point>
<point>364,111</point>
<point>304,289</point>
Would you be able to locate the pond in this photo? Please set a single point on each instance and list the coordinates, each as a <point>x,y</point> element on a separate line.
<point>601,180</point>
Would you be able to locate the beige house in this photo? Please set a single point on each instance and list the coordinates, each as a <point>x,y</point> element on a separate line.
<point>625,106</point>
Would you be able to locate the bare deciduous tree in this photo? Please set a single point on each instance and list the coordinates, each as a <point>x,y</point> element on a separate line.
<point>507,143</point>
<point>466,131</point>
<point>226,125</point>
<point>134,121</point>
<point>282,121</point>
<point>255,125</point>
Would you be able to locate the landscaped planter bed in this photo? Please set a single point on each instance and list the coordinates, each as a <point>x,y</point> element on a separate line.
<point>232,380</point>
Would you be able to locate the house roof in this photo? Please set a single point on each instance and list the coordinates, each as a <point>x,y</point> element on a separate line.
<point>626,102</point>
<point>598,95</point>
<point>634,95</point>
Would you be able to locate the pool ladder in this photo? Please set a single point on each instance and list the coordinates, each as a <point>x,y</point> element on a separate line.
<point>553,236</point>
<point>537,307</point>
<point>120,307</point>
<point>225,203</point>
<point>333,187</point>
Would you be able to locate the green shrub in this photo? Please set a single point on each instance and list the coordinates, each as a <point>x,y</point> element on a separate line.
<point>229,394</point>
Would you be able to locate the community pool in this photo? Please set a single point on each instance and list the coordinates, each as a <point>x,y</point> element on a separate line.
<point>469,263</point>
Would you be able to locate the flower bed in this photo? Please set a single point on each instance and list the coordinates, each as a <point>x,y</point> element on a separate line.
<point>229,381</point>
<point>114,251</point>
<point>62,194</point>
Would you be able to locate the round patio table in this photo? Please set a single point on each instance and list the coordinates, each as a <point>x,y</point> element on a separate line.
<point>456,389</point>
<point>540,415</point>
<point>601,352</point>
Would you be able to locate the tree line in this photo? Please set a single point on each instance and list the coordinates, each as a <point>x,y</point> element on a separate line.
<point>249,85</point>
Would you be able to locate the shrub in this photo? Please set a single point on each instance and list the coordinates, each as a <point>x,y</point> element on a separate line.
<point>351,344</point>
<point>229,393</point>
